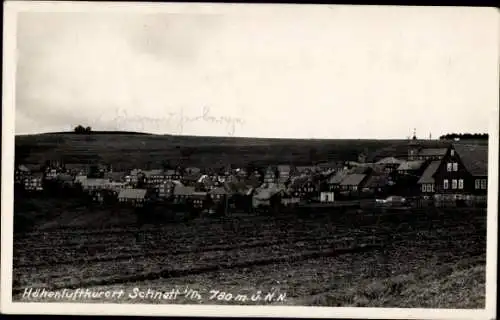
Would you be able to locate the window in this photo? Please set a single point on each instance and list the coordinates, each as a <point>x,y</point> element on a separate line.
<point>454,184</point>
<point>432,187</point>
<point>476,184</point>
<point>484,184</point>
<point>461,184</point>
<point>448,167</point>
<point>424,188</point>
<point>452,152</point>
<point>445,184</point>
<point>455,166</point>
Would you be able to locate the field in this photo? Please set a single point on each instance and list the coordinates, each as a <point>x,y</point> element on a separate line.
<point>420,258</point>
<point>126,151</point>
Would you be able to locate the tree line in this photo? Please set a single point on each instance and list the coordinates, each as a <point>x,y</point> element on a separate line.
<point>82,129</point>
<point>465,136</point>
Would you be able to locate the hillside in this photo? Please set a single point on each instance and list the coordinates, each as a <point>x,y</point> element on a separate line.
<point>129,150</point>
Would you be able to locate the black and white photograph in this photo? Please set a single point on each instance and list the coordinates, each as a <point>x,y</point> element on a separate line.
<point>250,160</point>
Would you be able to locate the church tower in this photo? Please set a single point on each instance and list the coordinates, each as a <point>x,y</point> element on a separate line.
<point>413,147</point>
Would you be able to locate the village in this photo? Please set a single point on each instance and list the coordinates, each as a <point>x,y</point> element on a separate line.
<point>455,174</point>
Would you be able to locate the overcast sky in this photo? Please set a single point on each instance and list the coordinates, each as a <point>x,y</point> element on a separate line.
<point>296,72</point>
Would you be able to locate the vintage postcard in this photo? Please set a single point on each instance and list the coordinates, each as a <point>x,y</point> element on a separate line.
<point>250,160</point>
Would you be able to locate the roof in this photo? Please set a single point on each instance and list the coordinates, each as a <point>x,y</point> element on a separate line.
<point>377,181</point>
<point>132,193</point>
<point>411,165</point>
<point>218,190</point>
<point>390,160</point>
<point>64,177</point>
<point>361,169</point>
<point>253,181</point>
<point>33,167</point>
<point>353,179</point>
<point>284,168</point>
<point>306,168</point>
<point>297,182</point>
<point>155,172</point>
<point>193,170</point>
<point>24,168</point>
<point>192,176</point>
<point>428,175</point>
<point>433,152</point>
<point>73,166</point>
<point>37,175</point>
<point>94,182</point>
<point>199,194</point>
<point>473,157</point>
<point>80,178</point>
<point>267,193</point>
<point>337,177</point>
<point>181,190</point>
<point>115,175</point>
<point>237,186</point>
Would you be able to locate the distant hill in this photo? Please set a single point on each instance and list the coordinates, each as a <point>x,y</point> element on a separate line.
<point>125,150</point>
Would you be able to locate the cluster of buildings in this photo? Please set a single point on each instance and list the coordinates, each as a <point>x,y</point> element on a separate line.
<point>458,171</point>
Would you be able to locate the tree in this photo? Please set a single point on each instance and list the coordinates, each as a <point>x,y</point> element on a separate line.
<point>79,129</point>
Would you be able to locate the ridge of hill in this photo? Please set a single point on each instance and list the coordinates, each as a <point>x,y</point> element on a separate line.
<point>125,150</point>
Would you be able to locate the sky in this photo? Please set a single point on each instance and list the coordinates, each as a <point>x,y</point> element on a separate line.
<point>324,72</point>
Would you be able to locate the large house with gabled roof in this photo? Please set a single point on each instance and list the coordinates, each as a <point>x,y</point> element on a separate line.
<point>463,170</point>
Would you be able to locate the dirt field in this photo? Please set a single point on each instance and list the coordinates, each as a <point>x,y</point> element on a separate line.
<point>423,258</point>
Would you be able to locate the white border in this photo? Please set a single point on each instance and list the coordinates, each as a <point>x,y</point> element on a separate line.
<point>10,14</point>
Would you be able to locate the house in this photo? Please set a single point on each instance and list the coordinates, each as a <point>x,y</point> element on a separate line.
<point>427,183</point>
<point>91,184</point>
<point>97,196</point>
<point>79,179</point>
<point>207,182</point>
<point>154,177</point>
<point>191,179</point>
<point>333,182</point>
<point>21,173</point>
<point>34,182</point>
<point>262,197</point>
<point>410,168</point>
<point>76,169</point>
<point>417,152</point>
<point>329,166</point>
<point>133,177</point>
<point>51,173</point>
<point>390,164</point>
<point>173,174</point>
<point>118,176</point>
<point>326,196</point>
<point>305,170</point>
<point>135,197</point>
<point>218,194</point>
<point>65,179</point>
<point>271,175</point>
<point>463,171</point>
<point>182,193</point>
<point>193,170</point>
<point>284,171</point>
<point>377,183</point>
<point>166,189</point>
<point>303,187</point>
<point>199,199</point>
<point>353,182</point>
<point>475,160</point>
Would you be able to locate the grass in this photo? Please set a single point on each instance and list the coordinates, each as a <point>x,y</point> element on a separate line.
<point>426,288</point>
<point>125,151</point>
